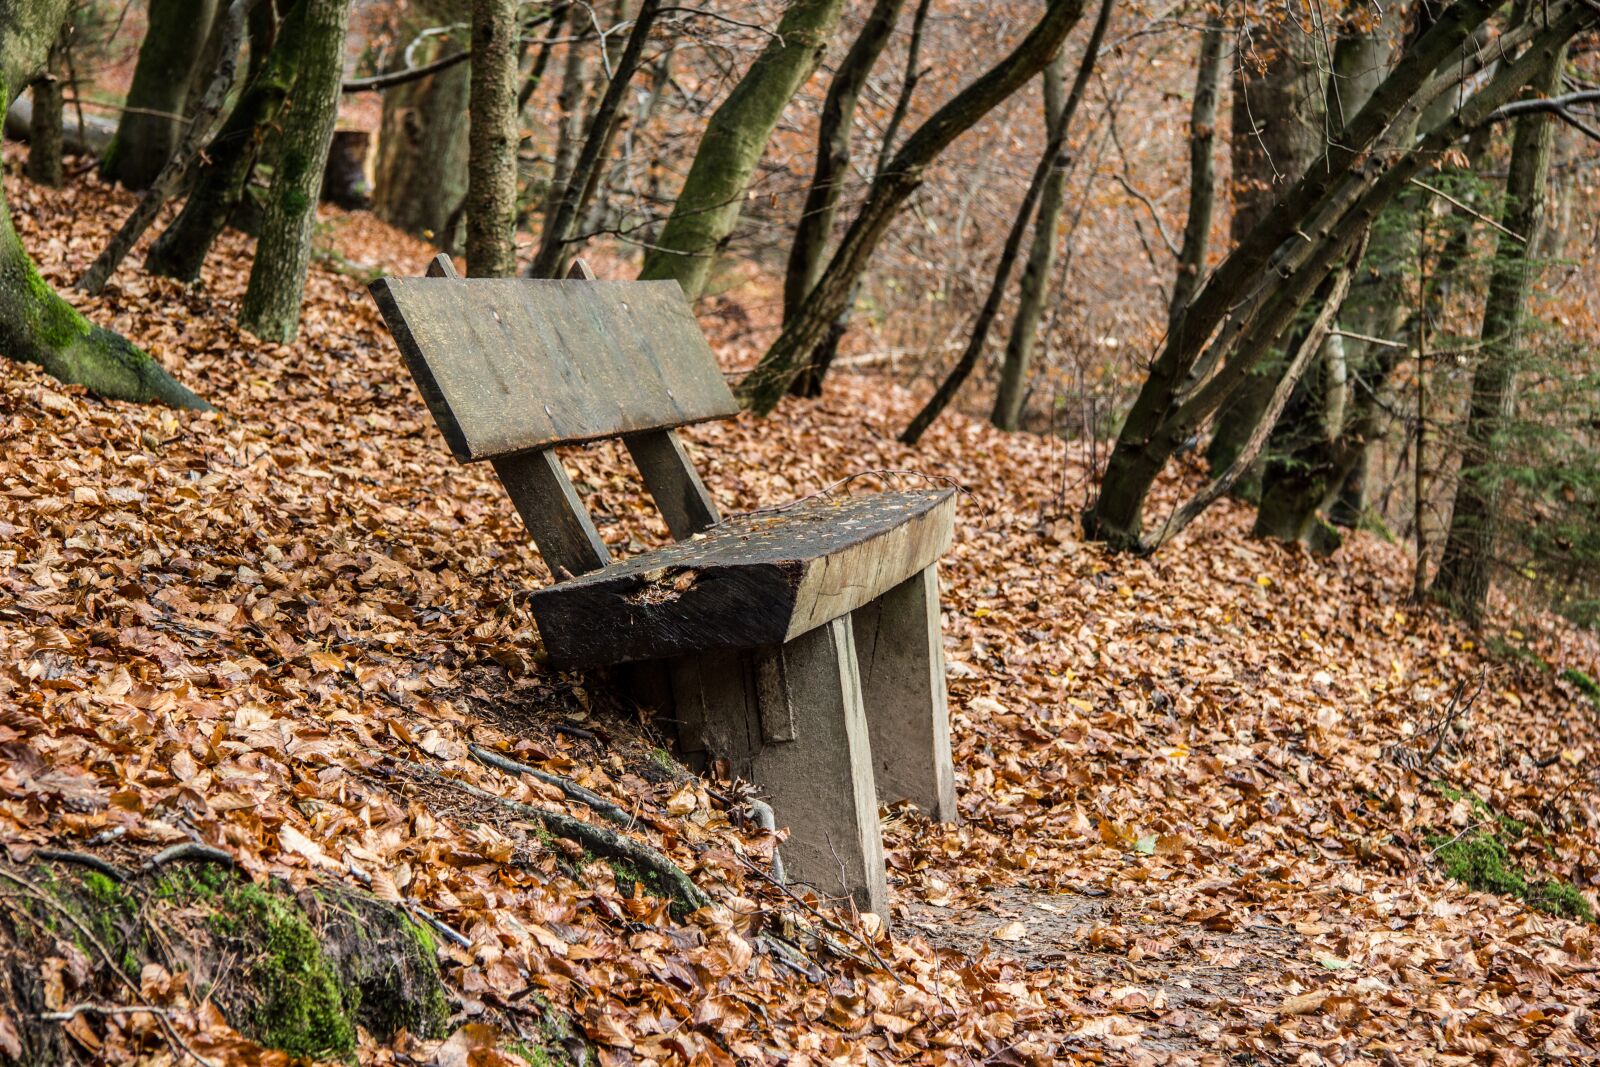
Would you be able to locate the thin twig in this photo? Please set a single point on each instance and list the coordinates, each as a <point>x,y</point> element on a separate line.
<point>573,791</point>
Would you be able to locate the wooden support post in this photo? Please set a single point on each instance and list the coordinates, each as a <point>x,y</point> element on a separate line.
<point>901,651</point>
<point>791,720</point>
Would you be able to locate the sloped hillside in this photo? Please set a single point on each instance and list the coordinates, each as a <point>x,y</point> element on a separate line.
<point>1212,801</point>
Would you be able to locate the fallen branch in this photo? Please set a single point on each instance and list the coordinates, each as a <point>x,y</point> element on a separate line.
<point>597,839</point>
<point>83,859</point>
<point>573,791</point>
<point>189,852</point>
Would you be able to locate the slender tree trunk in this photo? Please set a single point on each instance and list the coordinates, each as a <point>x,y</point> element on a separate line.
<point>808,382</point>
<point>1202,168</point>
<point>555,241</point>
<point>1317,222</point>
<point>1278,129</point>
<point>229,28</point>
<point>45,124</point>
<point>834,134</point>
<point>420,174</point>
<point>180,252</point>
<point>1467,565</point>
<point>153,122</point>
<point>764,386</point>
<point>1058,105</point>
<point>492,158</point>
<point>271,306</point>
<point>713,193</point>
<point>556,18</point>
<point>36,325</point>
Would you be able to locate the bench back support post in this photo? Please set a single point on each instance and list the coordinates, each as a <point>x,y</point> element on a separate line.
<point>544,496</point>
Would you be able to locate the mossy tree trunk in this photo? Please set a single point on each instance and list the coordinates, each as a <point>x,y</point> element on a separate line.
<point>1255,292</point>
<point>1277,130</point>
<point>271,307</point>
<point>1202,167</point>
<point>1467,565</point>
<point>152,123</point>
<point>181,249</point>
<point>36,325</point>
<point>420,175</point>
<point>708,205</point>
<point>44,126</point>
<point>492,163</point>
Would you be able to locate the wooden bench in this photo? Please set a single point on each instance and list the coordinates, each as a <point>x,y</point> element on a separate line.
<point>799,644</point>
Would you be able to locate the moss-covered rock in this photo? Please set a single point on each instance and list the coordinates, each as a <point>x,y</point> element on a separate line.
<point>1481,861</point>
<point>296,971</point>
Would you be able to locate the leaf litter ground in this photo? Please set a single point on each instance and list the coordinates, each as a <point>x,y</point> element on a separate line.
<point>1204,796</point>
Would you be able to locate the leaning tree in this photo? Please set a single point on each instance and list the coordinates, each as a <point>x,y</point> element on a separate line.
<point>36,325</point>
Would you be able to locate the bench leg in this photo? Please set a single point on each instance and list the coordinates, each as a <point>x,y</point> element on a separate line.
<point>901,653</point>
<point>791,720</point>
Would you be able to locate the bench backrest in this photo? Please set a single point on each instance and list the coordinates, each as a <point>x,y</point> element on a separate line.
<point>513,364</point>
<point>511,368</point>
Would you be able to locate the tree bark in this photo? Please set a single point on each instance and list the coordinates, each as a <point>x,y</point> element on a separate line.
<point>420,175</point>
<point>45,134</point>
<point>708,205</point>
<point>834,134</point>
<point>36,325</point>
<point>229,30</point>
<point>1466,568</point>
<point>1299,242</point>
<point>492,140</point>
<point>764,386</point>
<point>1202,168</point>
<point>180,252</point>
<point>1058,104</point>
<point>555,242</point>
<point>153,123</point>
<point>271,306</point>
<point>1277,132</point>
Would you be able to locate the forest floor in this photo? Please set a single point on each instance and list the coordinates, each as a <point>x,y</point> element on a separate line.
<point>1208,799</point>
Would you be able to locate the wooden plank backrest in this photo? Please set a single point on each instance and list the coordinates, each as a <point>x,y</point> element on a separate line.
<point>509,365</point>
<point>534,478</point>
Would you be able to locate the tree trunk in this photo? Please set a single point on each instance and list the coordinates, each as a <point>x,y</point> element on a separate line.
<point>832,170</point>
<point>1312,227</point>
<point>1467,565</point>
<point>1202,168</point>
<point>1278,130</point>
<point>555,246</point>
<point>420,176</point>
<point>492,158</point>
<point>1036,274</point>
<point>44,126</point>
<point>271,306</point>
<point>180,252</point>
<point>229,29</point>
<point>153,121</point>
<point>764,386</point>
<point>708,205</point>
<point>36,325</point>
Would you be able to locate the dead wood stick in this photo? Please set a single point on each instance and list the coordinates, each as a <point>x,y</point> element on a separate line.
<point>83,859</point>
<point>189,852</point>
<point>601,806</point>
<point>597,839</point>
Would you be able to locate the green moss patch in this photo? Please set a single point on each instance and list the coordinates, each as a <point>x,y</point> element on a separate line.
<point>1481,861</point>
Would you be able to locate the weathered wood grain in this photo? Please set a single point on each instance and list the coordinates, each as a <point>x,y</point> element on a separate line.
<point>553,512</point>
<point>761,579</point>
<point>509,365</point>
<point>674,484</point>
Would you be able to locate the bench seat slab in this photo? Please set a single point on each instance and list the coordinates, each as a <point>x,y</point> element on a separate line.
<point>754,580</point>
